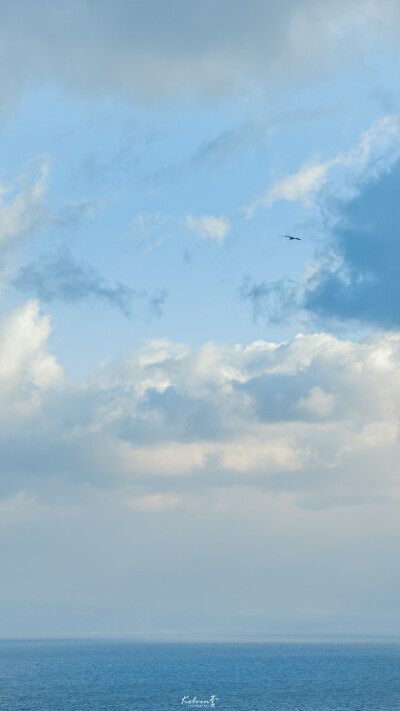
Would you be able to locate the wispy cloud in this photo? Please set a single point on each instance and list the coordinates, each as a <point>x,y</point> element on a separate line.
<point>377,149</point>
<point>69,280</point>
<point>272,301</point>
<point>25,212</point>
<point>208,227</point>
<point>150,231</point>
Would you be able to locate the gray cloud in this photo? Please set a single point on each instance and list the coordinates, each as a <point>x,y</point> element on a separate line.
<point>69,280</point>
<point>365,283</point>
<point>156,49</point>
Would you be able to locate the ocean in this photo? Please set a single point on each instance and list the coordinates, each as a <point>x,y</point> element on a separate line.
<point>117,676</point>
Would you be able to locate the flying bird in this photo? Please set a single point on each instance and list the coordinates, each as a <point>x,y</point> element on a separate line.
<point>290,237</point>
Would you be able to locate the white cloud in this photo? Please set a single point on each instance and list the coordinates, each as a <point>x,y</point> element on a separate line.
<point>377,149</point>
<point>209,227</point>
<point>270,456</point>
<point>297,416</point>
<point>318,403</point>
<point>151,230</point>
<point>23,208</point>
<point>300,186</point>
<point>27,368</point>
<point>173,459</point>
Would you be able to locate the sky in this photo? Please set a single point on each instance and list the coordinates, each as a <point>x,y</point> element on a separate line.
<point>199,418</point>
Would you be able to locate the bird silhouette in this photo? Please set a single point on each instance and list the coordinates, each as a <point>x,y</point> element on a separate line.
<point>290,237</point>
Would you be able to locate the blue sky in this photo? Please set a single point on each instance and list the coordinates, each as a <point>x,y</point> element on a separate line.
<point>199,420</point>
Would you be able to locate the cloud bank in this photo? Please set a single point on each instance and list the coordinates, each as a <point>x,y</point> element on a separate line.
<point>315,417</point>
<point>158,50</point>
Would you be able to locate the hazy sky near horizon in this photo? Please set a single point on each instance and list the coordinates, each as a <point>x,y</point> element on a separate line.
<point>199,419</point>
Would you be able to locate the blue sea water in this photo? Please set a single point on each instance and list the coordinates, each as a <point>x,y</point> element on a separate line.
<point>117,676</point>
